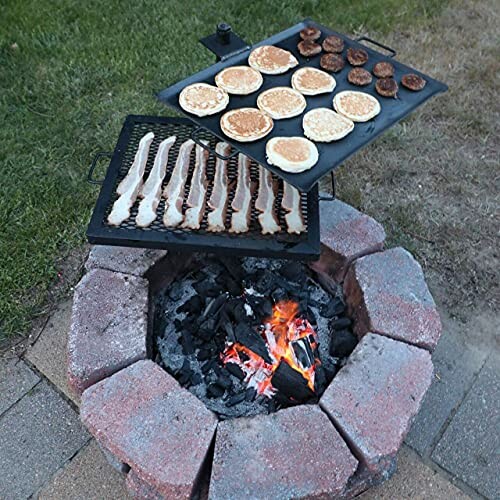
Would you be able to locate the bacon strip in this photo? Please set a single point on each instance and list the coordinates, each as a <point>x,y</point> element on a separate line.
<point>136,171</point>
<point>291,203</point>
<point>130,186</point>
<point>174,192</point>
<point>197,192</point>
<point>265,203</point>
<point>219,197</point>
<point>151,190</point>
<point>240,219</point>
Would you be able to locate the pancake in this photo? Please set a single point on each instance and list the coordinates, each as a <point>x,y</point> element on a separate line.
<point>239,80</point>
<point>324,125</point>
<point>291,154</point>
<point>312,81</point>
<point>271,60</point>
<point>357,106</point>
<point>281,102</point>
<point>202,99</point>
<point>246,124</point>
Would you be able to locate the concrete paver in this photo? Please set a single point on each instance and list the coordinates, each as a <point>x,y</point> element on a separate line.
<point>37,436</point>
<point>455,366</point>
<point>88,476</point>
<point>49,353</point>
<point>469,448</point>
<point>16,379</point>
<point>414,480</point>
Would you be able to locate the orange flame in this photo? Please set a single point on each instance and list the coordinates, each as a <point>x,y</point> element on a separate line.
<point>280,330</point>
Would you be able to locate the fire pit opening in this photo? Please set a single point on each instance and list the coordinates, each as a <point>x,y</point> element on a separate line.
<point>251,335</point>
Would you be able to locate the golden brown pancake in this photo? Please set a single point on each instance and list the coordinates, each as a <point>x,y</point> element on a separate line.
<point>240,80</point>
<point>357,106</point>
<point>202,99</point>
<point>324,125</point>
<point>312,81</point>
<point>271,60</point>
<point>291,154</point>
<point>246,124</point>
<point>281,102</point>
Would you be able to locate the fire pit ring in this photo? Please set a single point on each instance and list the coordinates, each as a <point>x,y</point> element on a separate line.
<point>171,446</point>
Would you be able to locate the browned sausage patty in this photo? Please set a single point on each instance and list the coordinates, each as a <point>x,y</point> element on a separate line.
<point>309,48</point>
<point>387,87</point>
<point>383,69</point>
<point>310,33</point>
<point>357,57</point>
<point>413,82</point>
<point>333,43</point>
<point>332,62</point>
<point>359,76</point>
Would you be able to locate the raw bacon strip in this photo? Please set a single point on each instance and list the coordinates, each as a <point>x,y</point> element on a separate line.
<point>291,203</point>
<point>136,171</point>
<point>219,197</point>
<point>265,203</point>
<point>151,190</point>
<point>198,191</point>
<point>240,219</point>
<point>133,183</point>
<point>174,192</point>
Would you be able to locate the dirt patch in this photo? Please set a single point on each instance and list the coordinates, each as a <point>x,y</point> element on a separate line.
<point>433,180</point>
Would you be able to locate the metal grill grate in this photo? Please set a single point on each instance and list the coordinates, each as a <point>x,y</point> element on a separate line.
<point>159,236</point>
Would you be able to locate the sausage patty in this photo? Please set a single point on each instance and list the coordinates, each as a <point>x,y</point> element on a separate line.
<point>310,33</point>
<point>387,87</point>
<point>333,43</point>
<point>357,57</point>
<point>359,76</point>
<point>332,62</point>
<point>308,48</point>
<point>413,82</point>
<point>383,69</point>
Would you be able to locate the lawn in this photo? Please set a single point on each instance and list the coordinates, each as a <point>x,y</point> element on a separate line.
<point>71,71</point>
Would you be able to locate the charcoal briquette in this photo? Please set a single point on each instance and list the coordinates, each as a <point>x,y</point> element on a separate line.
<point>236,399</point>
<point>235,370</point>
<point>214,391</point>
<point>341,323</point>
<point>342,343</point>
<point>250,394</point>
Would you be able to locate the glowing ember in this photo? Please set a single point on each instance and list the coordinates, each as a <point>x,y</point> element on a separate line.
<point>288,338</point>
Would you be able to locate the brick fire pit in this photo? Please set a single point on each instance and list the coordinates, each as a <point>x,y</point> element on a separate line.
<point>171,446</point>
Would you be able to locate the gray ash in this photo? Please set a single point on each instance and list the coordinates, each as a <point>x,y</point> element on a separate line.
<point>219,301</point>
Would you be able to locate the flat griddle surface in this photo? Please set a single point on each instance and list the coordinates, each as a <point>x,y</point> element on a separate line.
<point>331,155</point>
<point>280,245</point>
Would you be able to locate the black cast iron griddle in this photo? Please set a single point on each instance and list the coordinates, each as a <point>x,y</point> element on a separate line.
<point>331,155</point>
<point>304,246</point>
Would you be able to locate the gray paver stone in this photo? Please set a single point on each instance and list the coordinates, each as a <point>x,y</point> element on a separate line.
<point>37,436</point>
<point>470,446</point>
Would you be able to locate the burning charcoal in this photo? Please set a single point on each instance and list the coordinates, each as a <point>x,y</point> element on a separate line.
<point>228,328</point>
<point>311,317</point>
<point>236,399</point>
<point>319,380</point>
<point>303,305</point>
<point>196,379</point>
<point>293,271</point>
<point>214,391</point>
<point>247,336</point>
<point>250,394</point>
<point>333,308</point>
<point>340,324</point>
<point>235,370</point>
<point>224,381</point>
<point>342,343</point>
<point>303,352</point>
<point>202,355</point>
<point>192,305</point>
<point>291,383</point>
<point>278,295</point>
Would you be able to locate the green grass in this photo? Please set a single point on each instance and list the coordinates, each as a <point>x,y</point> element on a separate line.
<point>69,73</point>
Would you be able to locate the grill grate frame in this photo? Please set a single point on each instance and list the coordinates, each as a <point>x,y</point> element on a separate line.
<point>281,245</point>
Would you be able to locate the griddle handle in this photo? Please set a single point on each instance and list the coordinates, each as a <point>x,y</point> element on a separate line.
<point>95,161</point>
<point>194,136</point>
<point>392,52</point>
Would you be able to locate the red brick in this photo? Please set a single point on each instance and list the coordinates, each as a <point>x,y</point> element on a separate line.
<point>346,234</point>
<point>148,421</point>
<point>108,326</point>
<point>386,293</point>
<point>294,453</point>
<point>375,396</point>
<point>136,261</point>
